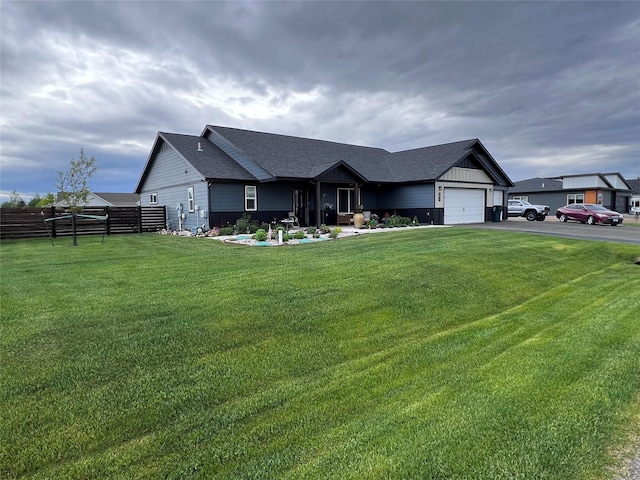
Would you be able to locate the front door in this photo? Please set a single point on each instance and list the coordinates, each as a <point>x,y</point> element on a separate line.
<point>301,205</point>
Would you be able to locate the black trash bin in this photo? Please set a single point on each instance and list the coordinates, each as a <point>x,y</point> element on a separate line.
<point>497,214</point>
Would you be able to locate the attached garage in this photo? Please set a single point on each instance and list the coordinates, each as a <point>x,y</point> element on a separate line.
<point>463,205</point>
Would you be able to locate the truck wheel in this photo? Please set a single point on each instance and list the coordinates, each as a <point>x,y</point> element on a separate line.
<point>531,216</point>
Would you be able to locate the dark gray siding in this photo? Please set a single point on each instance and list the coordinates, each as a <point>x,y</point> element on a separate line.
<point>553,199</point>
<point>408,196</point>
<point>369,199</point>
<point>229,197</point>
<point>275,197</point>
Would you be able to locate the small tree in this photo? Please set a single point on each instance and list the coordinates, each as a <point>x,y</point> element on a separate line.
<point>48,199</point>
<point>15,200</point>
<point>35,200</point>
<point>73,186</point>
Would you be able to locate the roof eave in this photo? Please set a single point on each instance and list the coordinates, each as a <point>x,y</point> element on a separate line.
<point>497,165</point>
<point>147,164</point>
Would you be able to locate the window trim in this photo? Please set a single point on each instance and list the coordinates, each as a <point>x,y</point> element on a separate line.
<point>521,197</point>
<point>574,197</point>
<point>153,198</point>
<point>191,200</point>
<point>351,197</point>
<point>248,197</point>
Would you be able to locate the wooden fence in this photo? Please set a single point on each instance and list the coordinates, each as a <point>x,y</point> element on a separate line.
<point>29,222</point>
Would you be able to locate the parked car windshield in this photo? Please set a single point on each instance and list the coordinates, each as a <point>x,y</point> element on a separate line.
<point>596,207</point>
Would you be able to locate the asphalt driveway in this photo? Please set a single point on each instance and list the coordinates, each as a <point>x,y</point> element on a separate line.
<point>627,232</point>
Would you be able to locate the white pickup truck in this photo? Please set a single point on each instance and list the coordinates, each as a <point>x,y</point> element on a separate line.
<point>522,208</point>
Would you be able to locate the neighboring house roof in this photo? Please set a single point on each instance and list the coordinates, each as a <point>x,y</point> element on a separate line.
<point>119,199</point>
<point>224,153</point>
<point>537,184</point>
<point>609,181</point>
<point>612,180</point>
<point>108,199</point>
<point>634,184</point>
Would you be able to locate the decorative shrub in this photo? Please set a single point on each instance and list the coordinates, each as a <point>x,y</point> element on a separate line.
<point>226,231</point>
<point>396,221</point>
<point>311,230</point>
<point>299,235</point>
<point>338,230</point>
<point>261,235</point>
<point>245,225</point>
<point>333,234</point>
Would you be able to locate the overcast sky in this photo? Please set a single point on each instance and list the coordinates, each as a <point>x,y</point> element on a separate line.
<point>550,88</point>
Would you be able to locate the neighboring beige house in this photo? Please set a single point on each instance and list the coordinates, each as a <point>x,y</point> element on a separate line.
<point>97,199</point>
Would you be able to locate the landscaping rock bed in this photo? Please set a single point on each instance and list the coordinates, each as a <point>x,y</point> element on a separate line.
<point>247,239</point>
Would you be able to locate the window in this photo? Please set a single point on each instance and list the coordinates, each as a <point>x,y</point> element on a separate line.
<point>346,200</point>
<point>575,198</point>
<point>522,197</point>
<point>250,198</point>
<point>191,200</point>
<point>153,198</point>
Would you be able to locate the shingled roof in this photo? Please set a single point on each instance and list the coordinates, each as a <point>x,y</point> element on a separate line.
<point>537,184</point>
<point>634,184</point>
<point>285,156</point>
<point>117,199</point>
<point>209,160</point>
<point>427,163</point>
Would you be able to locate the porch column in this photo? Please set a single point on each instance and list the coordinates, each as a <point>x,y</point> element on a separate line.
<point>318,206</point>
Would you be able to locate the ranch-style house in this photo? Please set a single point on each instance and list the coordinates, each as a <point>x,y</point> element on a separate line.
<point>216,177</point>
<point>608,189</point>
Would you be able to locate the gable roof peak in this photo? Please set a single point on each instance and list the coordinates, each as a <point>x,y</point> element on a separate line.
<point>468,143</point>
<point>284,136</point>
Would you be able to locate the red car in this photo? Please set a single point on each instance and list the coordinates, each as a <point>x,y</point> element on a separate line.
<point>589,213</point>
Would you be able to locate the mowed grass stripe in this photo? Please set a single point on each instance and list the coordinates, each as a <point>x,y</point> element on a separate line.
<point>367,358</point>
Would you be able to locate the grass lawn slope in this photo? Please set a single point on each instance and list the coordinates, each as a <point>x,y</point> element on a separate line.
<point>433,354</point>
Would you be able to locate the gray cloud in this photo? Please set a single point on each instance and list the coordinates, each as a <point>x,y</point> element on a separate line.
<point>549,87</point>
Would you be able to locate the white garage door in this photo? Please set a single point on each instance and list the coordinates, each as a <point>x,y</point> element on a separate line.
<point>463,205</point>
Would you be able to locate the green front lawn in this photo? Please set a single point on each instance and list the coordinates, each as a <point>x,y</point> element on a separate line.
<point>440,353</point>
